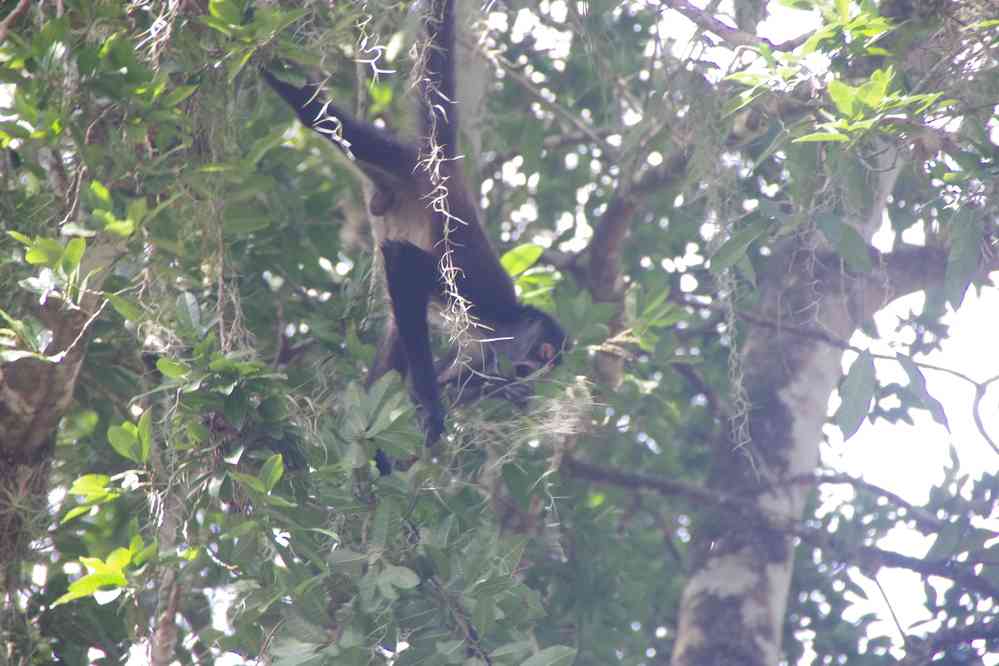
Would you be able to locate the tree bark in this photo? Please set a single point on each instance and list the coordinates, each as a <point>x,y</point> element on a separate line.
<point>732,609</point>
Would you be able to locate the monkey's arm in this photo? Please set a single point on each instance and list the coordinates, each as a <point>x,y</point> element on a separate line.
<point>367,143</point>
<point>412,279</point>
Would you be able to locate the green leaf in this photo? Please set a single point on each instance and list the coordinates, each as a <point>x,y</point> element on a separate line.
<point>512,649</point>
<point>843,96</point>
<point>145,434</point>
<point>251,482</point>
<point>44,252</point>
<point>239,220</point>
<point>122,228</point>
<point>236,64</point>
<point>822,136</point>
<point>854,250</point>
<point>125,307</point>
<point>280,502</point>
<point>856,392</point>
<point>735,247</point>
<point>872,93</point>
<point>966,236</point>
<point>137,209</point>
<point>100,193</point>
<point>20,238</point>
<point>385,523</point>
<point>401,577</point>
<point>263,145</point>
<point>75,512</point>
<point>72,254</point>
<point>556,655</point>
<point>272,471</point>
<point>125,443</point>
<point>750,79</point>
<point>172,369</point>
<point>917,384</point>
<point>189,312</point>
<point>86,586</point>
<point>177,95</point>
<point>226,11</point>
<point>520,258</point>
<point>90,485</point>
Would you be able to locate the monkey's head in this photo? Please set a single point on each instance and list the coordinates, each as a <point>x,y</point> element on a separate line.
<point>528,343</point>
<point>509,352</point>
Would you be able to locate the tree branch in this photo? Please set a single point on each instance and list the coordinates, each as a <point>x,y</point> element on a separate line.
<point>731,36</point>
<point>5,24</point>
<point>867,557</point>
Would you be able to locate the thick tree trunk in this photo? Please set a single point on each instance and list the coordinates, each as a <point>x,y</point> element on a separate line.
<point>732,609</point>
<point>34,396</point>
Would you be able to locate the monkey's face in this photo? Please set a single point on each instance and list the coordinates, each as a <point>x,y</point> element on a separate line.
<point>532,343</point>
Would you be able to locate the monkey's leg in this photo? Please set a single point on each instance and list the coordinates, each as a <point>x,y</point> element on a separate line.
<point>412,280</point>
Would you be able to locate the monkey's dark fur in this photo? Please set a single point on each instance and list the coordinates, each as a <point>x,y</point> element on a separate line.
<point>418,206</point>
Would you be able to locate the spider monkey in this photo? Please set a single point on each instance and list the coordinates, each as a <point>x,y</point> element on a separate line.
<point>409,197</point>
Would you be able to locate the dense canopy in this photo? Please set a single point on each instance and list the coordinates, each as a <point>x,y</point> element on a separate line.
<point>712,200</point>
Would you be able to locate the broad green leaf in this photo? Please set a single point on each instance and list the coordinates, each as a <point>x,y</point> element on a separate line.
<point>735,247</point>
<point>872,93</point>
<point>44,252</point>
<point>125,307</point>
<point>137,209</point>
<point>171,369</point>
<point>263,145</point>
<point>856,392</point>
<point>401,577</point>
<point>125,443</point>
<point>280,502</point>
<point>843,10</point>
<point>86,586</point>
<point>189,312</point>
<point>225,10</point>
<point>122,228</point>
<point>510,649</point>
<point>556,655</point>
<point>251,482</point>
<point>917,384</point>
<point>237,63</point>
<point>90,485</point>
<point>177,95</point>
<point>145,434</point>
<point>75,512</point>
<point>822,136</point>
<point>966,236</point>
<point>854,250</point>
<point>385,523</point>
<point>750,79</point>
<point>100,193</point>
<point>843,96</point>
<point>272,471</point>
<point>520,258</point>
<point>72,254</point>
<point>244,221</point>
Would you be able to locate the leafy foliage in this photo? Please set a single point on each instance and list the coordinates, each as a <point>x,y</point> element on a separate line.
<point>218,430</point>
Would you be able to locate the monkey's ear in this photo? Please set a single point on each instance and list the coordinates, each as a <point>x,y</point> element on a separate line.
<point>547,352</point>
